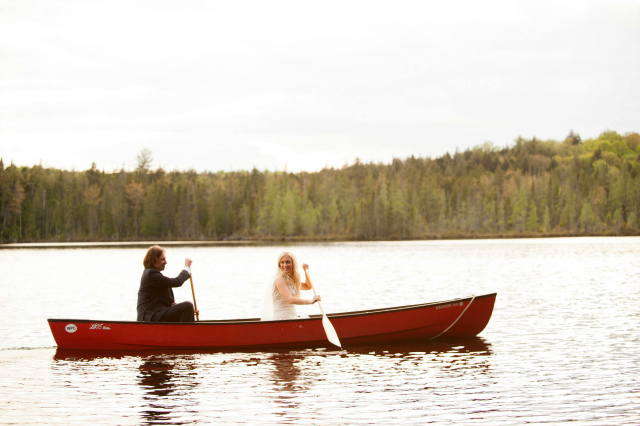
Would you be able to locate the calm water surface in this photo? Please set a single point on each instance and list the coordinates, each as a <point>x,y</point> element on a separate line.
<point>562,346</point>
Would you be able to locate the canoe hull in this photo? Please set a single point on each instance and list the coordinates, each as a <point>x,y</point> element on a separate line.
<point>458,318</point>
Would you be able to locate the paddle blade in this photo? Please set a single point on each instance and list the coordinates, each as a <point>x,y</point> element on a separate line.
<point>332,336</point>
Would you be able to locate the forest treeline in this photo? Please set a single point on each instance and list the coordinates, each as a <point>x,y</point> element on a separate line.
<point>532,188</point>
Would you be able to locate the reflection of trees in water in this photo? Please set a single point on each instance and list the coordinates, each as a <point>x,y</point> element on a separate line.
<point>167,384</point>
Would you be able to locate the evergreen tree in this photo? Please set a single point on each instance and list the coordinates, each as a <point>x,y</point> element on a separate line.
<point>532,218</point>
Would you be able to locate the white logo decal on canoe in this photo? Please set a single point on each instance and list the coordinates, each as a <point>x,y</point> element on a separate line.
<point>96,326</point>
<point>70,328</point>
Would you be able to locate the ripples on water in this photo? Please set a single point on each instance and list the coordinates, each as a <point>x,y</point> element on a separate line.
<point>562,344</point>
<point>361,385</point>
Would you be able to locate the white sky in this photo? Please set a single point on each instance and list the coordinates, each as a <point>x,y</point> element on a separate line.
<point>229,85</point>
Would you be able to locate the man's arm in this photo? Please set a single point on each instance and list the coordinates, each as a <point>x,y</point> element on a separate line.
<point>156,279</point>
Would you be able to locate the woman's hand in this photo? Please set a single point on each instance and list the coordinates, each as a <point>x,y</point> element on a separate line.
<point>305,266</point>
<point>315,299</point>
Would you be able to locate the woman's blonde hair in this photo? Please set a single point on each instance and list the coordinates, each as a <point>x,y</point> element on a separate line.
<point>294,280</point>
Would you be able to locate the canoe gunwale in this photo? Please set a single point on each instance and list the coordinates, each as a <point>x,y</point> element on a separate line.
<point>311,317</point>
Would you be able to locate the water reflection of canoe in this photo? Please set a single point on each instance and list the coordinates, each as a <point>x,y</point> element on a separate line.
<point>458,318</point>
<point>477,346</point>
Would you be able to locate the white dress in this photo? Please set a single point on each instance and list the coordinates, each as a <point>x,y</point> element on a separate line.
<point>276,308</point>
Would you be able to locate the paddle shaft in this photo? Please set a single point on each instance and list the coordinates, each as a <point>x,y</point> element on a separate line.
<point>195,305</point>
<point>319,304</point>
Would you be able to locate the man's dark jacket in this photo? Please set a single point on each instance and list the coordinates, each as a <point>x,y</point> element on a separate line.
<point>155,295</point>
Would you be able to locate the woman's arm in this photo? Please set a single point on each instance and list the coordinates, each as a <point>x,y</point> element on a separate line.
<point>307,284</point>
<point>281,285</point>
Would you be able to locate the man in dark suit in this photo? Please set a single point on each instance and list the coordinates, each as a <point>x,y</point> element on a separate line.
<point>155,297</point>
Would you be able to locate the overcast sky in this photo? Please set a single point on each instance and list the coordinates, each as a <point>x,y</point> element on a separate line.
<point>229,85</point>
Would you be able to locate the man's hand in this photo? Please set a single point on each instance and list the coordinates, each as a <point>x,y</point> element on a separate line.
<point>187,262</point>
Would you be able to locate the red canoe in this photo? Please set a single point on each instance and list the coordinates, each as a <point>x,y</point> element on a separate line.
<point>456,318</point>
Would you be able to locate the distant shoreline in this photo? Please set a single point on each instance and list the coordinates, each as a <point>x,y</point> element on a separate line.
<point>292,240</point>
<point>92,244</point>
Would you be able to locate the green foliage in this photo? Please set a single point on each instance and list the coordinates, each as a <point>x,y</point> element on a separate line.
<point>554,188</point>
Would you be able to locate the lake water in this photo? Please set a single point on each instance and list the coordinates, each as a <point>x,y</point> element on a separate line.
<point>563,344</point>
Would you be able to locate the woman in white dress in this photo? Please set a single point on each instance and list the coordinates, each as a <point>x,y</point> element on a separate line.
<point>284,293</point>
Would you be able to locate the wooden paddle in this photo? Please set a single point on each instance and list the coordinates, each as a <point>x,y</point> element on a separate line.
<point>195,306</point>
<point>332,336</point>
